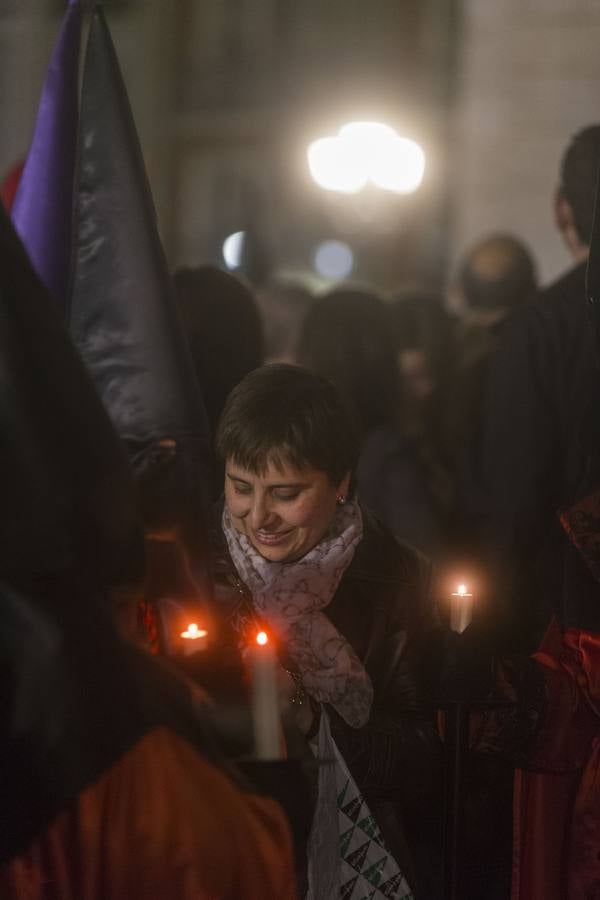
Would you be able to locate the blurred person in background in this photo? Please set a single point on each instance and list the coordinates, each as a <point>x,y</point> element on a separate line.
<point>348,338</point>
<point>495,278</point>
<point>538,406</point>
<point>224,330</point>
<point>424,337</point>
<point>529,500</point>
<point>425,340</point>
<point>284,308</point>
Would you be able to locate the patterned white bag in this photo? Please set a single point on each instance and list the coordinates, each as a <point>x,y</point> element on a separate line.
<point>347,856</point>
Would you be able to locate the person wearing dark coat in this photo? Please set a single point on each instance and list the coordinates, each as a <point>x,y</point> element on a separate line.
<point>531,485</point>
<point>526,460</point>
<point>349,607</point>
<point>496,277</point>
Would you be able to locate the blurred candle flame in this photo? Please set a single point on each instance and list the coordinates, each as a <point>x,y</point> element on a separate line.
<point>461,608</point>
<point>262,638</point>
<point>193,632</point>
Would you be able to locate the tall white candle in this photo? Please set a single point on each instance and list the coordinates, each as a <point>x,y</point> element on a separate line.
<point>461,608</point>
<point>265,699</point>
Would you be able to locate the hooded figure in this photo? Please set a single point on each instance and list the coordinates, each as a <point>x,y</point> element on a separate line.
<point>104,791</point>
<point>123,320</point>
<point>67,492</point>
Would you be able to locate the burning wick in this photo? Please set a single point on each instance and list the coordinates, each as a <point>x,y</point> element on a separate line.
<point>461,608</point>
<point>262,638</point>
<point>197,635</point>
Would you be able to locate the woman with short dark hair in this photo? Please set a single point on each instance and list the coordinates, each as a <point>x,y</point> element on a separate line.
<point>349,608</point>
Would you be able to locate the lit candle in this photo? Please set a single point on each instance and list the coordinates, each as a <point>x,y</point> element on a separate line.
<point>461,608</point>
<point>194,639</point>
<point>265,699</point>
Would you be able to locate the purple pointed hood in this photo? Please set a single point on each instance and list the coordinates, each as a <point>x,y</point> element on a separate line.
<point>123,317</point>
<point>42,210</point>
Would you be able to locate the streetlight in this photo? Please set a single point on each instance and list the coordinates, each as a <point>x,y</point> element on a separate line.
<point>363,153</point>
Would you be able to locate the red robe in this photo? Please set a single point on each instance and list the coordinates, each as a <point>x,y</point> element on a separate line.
<point>557,799</point>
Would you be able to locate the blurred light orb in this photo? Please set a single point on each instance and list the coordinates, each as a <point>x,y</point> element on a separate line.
<point>398,165</point>
<point>336,168</point>
<point>233,247</point>
<point>366,134</point>
<point>364,152</point>
<point>334,260</point>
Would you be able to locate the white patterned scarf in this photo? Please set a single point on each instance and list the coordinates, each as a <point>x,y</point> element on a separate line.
<point>291,597</point>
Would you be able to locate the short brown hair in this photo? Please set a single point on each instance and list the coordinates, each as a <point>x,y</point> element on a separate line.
<point>285,414</point>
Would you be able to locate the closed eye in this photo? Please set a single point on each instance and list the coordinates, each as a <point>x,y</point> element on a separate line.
<point>286,495</point>
<point>241,488</point>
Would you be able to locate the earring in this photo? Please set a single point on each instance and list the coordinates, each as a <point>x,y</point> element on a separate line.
<point>340,499</point>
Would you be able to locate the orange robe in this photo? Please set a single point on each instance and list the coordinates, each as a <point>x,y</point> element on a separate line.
<point>160,824</point>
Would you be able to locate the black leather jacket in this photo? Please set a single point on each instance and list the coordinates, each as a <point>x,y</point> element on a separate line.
<point>383,607</point>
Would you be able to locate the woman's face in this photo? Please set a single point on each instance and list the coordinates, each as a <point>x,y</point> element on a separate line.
<point>283,513</point>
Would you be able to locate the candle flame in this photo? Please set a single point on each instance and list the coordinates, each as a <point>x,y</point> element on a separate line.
<point>192,632</point>
<point>262,638</point>
<point>461,590</point>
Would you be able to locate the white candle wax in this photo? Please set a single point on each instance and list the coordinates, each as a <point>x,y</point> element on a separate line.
<point>265,700</point>
<point>461,609</point>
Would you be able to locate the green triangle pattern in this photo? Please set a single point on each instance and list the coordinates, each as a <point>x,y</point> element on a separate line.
<point>345,839</point>
<point>346,889</point>
<point>356,859</point>
<point>369,826</point>
<point>353,809</point>
<point>373,873</point>
<point>390,888</point>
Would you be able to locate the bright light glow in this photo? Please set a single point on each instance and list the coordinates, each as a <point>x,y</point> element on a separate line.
<point>366,134</point>
<point>363,152</point>
<point>233,247</point>
<point>336,167</point>
<point>398,165</point>
<point>262,638</point>
<point>461,591</point>
<point>334,260</point>
<point>192,632</point>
